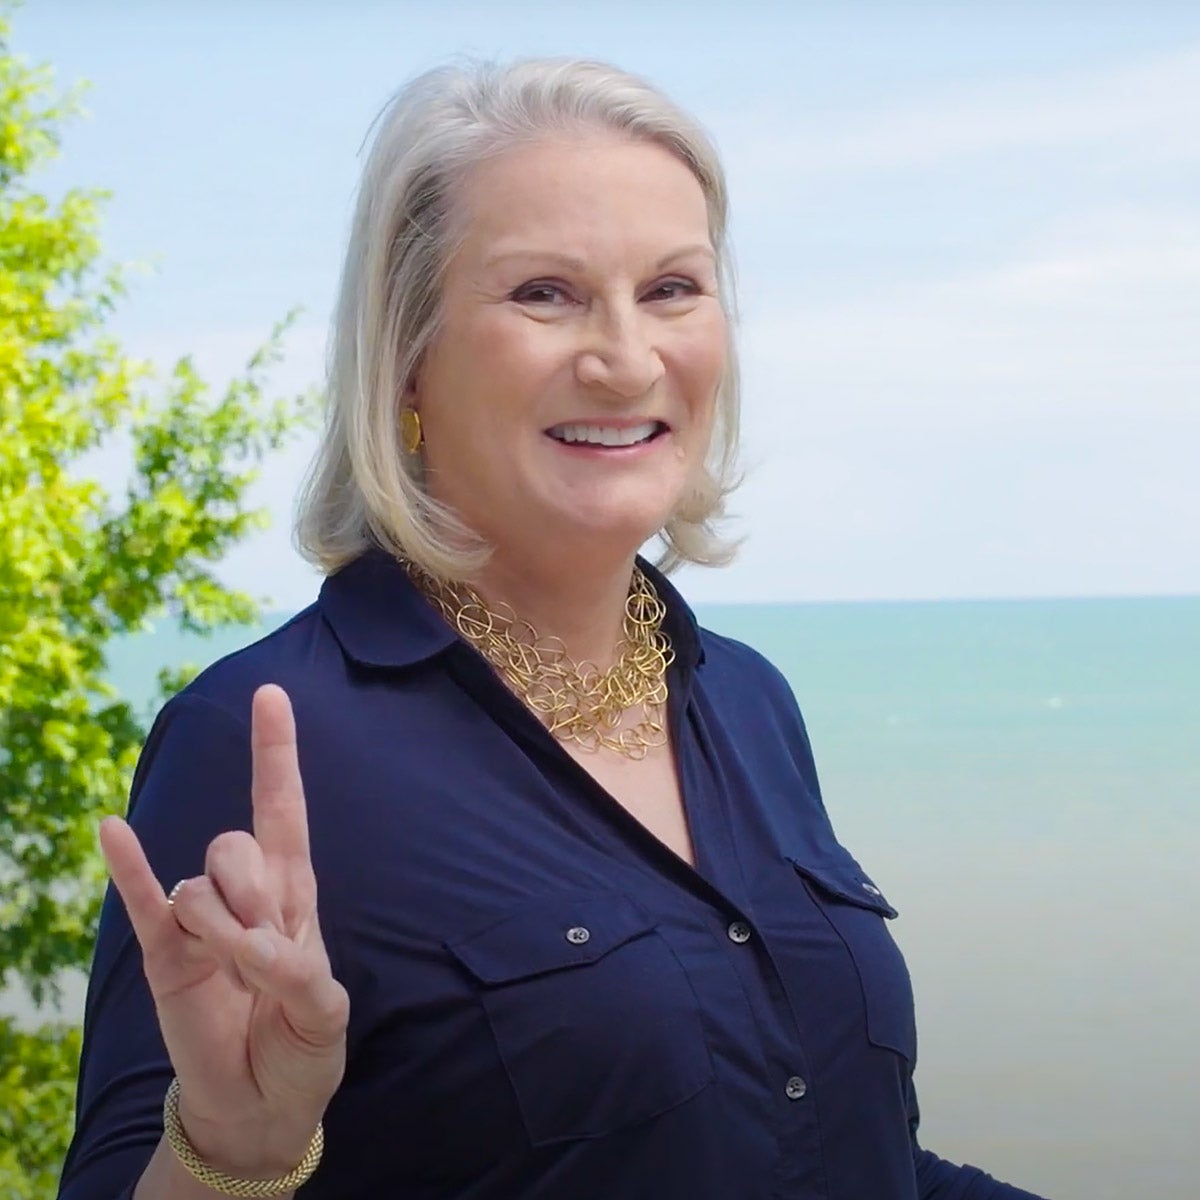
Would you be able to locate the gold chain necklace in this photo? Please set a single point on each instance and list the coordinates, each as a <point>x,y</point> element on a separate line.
<point>576,701</point>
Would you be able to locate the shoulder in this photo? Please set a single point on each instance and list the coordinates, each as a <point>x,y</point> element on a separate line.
<point>192,779</point>
<point>348,712</point>
<point>200,739</point>
<point>752,701</point>
<point>299,655</point>
<point>214,708</point>
<point>735,661</point>
<point>738,675</point>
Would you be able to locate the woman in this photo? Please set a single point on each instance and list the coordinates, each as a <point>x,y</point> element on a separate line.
<point>557,911</point>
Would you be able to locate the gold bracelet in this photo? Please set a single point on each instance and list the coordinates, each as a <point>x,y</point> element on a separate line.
<point>230,1185</point>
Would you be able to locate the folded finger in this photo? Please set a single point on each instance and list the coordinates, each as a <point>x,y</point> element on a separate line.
<point>234,864</point>
<point>200,910</point>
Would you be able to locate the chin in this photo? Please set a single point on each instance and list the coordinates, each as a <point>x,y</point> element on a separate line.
<point>611,515</point>
<point>627,530</point>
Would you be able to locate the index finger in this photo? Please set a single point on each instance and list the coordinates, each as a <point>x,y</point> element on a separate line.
<point>276,789</point>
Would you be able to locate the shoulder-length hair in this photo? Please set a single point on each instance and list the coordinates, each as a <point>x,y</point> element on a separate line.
<point>363,490</point>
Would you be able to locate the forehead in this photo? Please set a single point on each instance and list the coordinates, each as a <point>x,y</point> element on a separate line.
<point>582,194</point>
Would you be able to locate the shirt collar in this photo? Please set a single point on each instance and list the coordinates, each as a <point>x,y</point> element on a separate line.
<point>379,616</point>
<point>381,619</point>
<point>680,622</point>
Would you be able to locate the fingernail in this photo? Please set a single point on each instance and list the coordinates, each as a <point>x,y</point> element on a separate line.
<point>260,950</point>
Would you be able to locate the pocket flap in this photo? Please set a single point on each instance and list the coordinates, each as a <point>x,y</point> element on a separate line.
<point>568,931</point>
<point>846,880</point>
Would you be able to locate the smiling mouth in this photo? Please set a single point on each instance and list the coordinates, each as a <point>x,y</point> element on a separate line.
<point>607,436</point>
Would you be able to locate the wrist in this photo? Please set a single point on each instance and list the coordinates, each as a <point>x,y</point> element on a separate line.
<point>256,1153</point>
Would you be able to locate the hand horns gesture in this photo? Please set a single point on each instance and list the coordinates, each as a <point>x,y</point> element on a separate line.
<point>252,1018</point>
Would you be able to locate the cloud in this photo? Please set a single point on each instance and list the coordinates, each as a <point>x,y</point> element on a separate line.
<point>1096,313</point>
<point>221,353</point>
<point>1023,427</point>
<point>1141,106</point>
<point>924,508</point>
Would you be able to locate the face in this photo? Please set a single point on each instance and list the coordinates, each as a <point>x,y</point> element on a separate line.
<point>569,392</point>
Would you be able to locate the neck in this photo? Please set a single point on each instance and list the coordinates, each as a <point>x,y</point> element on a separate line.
<point>584,607</point>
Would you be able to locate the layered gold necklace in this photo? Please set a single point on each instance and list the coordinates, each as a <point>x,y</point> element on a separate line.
<point>575,700</point>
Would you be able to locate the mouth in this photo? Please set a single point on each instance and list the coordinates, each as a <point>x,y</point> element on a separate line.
<point>606,437</point>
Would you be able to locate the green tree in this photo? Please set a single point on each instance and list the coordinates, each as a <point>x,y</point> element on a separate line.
<point>78,567</point>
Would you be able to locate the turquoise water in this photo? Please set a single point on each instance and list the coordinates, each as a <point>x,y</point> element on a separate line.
<point>1023,778</point>
<point>1090,698</point>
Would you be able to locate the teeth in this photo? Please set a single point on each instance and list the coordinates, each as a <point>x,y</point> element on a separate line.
<point>604,435</point>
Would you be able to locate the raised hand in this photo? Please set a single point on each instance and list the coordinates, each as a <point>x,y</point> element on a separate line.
<point>250,1013</point>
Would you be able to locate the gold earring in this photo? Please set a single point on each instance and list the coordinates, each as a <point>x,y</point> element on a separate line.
<point>410,430</point>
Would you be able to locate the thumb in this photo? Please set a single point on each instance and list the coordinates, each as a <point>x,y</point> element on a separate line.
<point>299,979</point>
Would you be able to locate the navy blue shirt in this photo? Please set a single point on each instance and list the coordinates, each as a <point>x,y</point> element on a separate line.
<point>546,1002</point>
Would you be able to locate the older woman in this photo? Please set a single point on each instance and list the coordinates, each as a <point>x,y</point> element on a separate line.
<point>557,911</point>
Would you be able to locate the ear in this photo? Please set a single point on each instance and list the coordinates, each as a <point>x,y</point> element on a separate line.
<point>411,393</point>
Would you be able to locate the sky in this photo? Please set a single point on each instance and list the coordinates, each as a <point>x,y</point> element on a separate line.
<point>967,239</point>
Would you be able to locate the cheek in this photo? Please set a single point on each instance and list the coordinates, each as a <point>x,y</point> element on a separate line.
<point>486,360</point>
<point>700,364</point>
<point>514,356</point>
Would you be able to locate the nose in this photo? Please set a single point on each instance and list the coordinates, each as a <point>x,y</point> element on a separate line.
<point>619,356</point>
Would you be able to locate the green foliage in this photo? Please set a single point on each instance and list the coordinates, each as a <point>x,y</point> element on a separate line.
<point>79,566</point>
<point>37,1071</point>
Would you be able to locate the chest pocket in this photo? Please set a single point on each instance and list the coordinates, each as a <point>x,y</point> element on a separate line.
<point>856,909</point>
<point>593,1016</point>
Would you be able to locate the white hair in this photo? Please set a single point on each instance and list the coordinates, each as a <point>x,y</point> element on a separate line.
<point>363,490</point>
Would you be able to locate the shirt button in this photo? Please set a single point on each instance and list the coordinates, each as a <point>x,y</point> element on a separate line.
<point>870,887</point>
<point>796,1087</point>
<point>577,935</point>
<point>739,932</point>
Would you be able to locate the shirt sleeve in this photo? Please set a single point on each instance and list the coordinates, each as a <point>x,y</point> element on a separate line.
<point>938,1179</point>
<point>192,782</point>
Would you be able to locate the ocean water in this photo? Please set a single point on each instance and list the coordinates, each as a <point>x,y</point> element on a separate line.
<point>1023,778</point>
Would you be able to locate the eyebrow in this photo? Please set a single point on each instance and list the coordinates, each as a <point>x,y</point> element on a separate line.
<point>571,263</point>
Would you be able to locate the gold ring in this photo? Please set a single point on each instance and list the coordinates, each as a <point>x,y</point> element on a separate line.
<point>174,892</point>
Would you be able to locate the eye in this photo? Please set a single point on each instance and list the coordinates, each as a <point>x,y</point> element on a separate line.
<point>674,288</point>
<point>541,291</point>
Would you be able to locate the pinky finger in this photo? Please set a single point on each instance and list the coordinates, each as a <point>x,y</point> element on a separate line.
<point>136,883</point>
